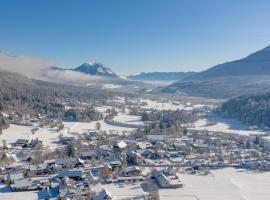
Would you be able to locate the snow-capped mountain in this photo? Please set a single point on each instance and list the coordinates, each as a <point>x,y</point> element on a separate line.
<point>91,68</point>
<point>95,68</point>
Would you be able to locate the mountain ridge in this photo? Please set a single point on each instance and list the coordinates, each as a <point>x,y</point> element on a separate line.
<point>257,63</point>
<point>162,76</point>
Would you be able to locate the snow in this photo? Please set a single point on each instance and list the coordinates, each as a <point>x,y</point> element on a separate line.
<point>111,86</point>
<point>128,119</point>
<point>47,135</point>
<point>122,190</point>
<point>224,184</point>
<point>5,194</point>
<point>225,125</point>
<point>151,104</point>
<point>103,109</point>
<point>81,127</point>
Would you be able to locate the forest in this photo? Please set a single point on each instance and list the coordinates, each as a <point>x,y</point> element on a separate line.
<point>250,109</point>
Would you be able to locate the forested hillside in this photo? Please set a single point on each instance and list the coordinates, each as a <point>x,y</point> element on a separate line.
<point>250,109</point>
<point>25,96</point>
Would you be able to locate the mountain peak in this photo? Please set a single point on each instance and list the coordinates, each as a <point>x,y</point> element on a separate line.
<point>95,68</point>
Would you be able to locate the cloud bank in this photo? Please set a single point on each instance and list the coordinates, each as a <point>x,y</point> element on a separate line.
<point>26,65</point>
<point>37,68</point>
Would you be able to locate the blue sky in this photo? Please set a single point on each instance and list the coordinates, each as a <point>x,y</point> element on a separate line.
<point>132,36</point>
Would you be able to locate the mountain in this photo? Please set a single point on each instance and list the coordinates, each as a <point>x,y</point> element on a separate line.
<point>95,68</point>
<point>257,63</point>
<point>245,76</point>
<point>90,68</point>
<point>160,76</point>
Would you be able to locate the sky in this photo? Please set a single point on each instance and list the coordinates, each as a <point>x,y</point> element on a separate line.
<point>132,36</point>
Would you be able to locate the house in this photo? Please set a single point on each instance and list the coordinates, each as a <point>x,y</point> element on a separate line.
<point>11,177</point>
<point>63,163</point>
<point>130,178</point>
<point>28,184</point>
<point>119,146</point>
<point>167,182</point>
<point>56,163</point>
<point>88,155</point>
<point>115,164</point>
<point>38,169</point>
<point>144,145</point>
<point>75,174</point>
<point>103,195</point>
<point>21,142</point>
<point>132,171</point>
<point>92,135</point>
<point>35,142</point>
<point>20,185</point>
<point>134,157</point>
<point>66,140</point>
<point>155,137</point>
<point>105,151</point>
<point>161,179</point>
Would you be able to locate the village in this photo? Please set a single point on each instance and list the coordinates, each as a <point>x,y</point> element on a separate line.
<point>137,150</point>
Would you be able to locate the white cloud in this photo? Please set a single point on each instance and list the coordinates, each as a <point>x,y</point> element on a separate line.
<point>69,76</point>
<point>26,65</point>
<point>37,68</point>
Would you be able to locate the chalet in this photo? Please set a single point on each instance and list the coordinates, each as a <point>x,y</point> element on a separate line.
<point>75,174</point>
<point>38,169</point>
<point>88,155</point>
<point>20,185</point>
<point>155,137</point>
<point>119,146</point>
<point>56,163</point>
<point>132,171</point>
<point>103,195</point>
<point>134,157</point>
<point>144,145</point>
<point>105,151</point>
<point>92,135</point>
<point>12,177</point>
<point>167,182</point>
<point>130,178</point>
<point>28,184</point>
<point>115,164</point>
<point>63,163</point>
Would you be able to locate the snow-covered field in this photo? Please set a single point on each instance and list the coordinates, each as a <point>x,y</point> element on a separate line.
<point>49,136</point>
<point>225,184</point>
<point>128,119</point>
<point>226,125</point>
<point>81,127</point>
<point>6,195</point>
<point>168,105</point>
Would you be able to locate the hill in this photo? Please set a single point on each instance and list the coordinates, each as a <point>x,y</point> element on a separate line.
<point>246,76</point>
<point>257,63</point>
<point>250,109</point>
